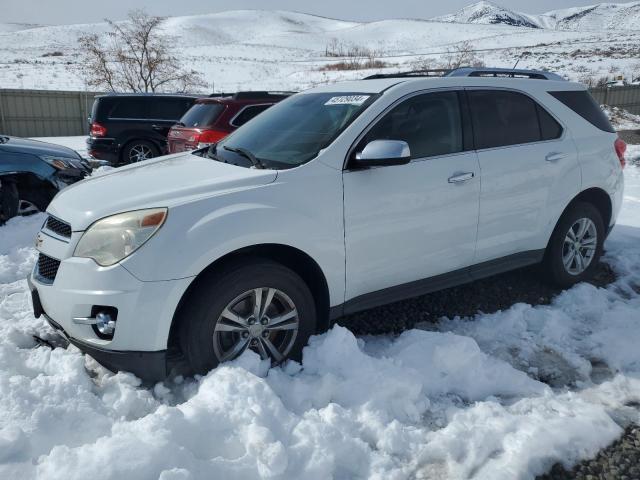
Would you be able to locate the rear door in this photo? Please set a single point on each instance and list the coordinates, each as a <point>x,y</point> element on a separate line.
<point>529,167</point>
<point>411,222</point>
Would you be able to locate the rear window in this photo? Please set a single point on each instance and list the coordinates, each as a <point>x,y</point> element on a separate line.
<point>584,105</point>
<point>202,115</point>
<point>248,113</point>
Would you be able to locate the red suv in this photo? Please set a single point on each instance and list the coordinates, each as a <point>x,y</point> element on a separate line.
<point>211,119</point>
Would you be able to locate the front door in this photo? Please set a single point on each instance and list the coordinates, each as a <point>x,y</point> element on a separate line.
<point>410,222</point>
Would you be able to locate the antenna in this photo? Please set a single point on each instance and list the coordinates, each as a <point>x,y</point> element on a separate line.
<point>517,62</point>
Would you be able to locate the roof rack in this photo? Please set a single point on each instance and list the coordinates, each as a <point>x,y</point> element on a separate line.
<point>503,72</point>
<point>471,72</point>
<point>436,72</point>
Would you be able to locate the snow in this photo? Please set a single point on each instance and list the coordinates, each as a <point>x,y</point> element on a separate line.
<point>621,119</point>
<point>602,16</point>
<point>458,399</point>
<point>279,50</point>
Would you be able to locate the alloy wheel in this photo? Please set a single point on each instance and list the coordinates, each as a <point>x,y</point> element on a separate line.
<point>263,319</point>
<point>138,153</point>
<point>579,248</point>
<point>26,208</point>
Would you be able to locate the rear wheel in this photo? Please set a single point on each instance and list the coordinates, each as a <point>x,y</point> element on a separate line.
<point>575,246</point>
<point>139,151</point>
<point>254,305</point>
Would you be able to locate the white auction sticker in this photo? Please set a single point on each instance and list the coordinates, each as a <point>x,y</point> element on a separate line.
<point>348,100</point>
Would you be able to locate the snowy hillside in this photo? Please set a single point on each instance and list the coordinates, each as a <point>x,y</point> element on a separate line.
<point>255,49</point>
<point>602,16</point>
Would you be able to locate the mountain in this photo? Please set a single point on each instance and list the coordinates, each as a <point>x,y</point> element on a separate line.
<point>488,13</point>
<point>602,16</point>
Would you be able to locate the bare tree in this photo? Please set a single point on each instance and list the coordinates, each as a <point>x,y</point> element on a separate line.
<point>135,57</point>
<point>462,55</point>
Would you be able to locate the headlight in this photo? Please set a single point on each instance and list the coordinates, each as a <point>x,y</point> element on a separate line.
<point>114,238</point>
<point>62,163</point>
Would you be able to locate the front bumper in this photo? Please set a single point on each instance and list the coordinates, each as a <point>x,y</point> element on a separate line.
<point>148,366</point>
<point>144,309</point>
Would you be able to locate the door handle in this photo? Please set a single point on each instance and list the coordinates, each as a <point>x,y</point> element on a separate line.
<point>461,177</point>
<point>555,156</point>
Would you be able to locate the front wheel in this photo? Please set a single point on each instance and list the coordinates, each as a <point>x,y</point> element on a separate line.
<point>576,245</point>
<point>254,305</point>
<point>8,200</point>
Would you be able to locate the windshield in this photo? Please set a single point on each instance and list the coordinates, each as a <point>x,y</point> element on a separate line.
<point>293,131</point>
<point>202,115</point>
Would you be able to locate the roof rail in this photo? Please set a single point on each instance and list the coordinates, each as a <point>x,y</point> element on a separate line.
<point>471,72</point>
<point>503,72</point>
<point>436,72</point>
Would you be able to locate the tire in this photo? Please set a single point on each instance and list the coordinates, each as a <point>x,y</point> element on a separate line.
<point>560,249</point>
<point>8,200</point>
<point>32,201</point>
<point>134,150</point>
<point>208,338</point>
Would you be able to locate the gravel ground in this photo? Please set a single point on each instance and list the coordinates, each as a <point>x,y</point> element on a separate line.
<point>488,295</point>
<point>620,461</point>
<point>631,137</point>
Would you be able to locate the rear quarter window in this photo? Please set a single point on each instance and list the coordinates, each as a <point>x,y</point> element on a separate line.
<point>581,102</point>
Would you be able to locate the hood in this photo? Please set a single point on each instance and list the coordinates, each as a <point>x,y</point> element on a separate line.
<point>162,182</point>
<point>35,147</point>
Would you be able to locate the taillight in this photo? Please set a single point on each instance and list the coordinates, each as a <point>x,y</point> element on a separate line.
<point>620,148</point>
<point>97,130</point>
<point>211,136</point>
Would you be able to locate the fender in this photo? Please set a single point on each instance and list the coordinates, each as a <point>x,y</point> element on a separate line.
<point>213,227</point>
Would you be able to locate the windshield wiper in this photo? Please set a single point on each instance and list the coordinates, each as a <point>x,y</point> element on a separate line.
<point>255,161</point>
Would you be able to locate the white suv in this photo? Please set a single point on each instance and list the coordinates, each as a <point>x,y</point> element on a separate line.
<point>335,200</point>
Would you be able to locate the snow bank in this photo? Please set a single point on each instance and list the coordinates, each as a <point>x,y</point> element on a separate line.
<point>621,119</point>
<point>464,399</point>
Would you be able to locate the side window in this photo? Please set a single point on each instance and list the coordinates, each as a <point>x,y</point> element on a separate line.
<point>502,118</point>
<point>429,123</point>
<point>168,108</point>
<point>129,107</point>
<point>581,102</point>
<point>248,113</point>
<point>550,129</point>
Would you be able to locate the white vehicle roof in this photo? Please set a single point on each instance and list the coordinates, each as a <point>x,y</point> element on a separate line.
<point>420,83</point>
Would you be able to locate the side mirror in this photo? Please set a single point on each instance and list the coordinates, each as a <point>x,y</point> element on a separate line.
<point>383,152</point>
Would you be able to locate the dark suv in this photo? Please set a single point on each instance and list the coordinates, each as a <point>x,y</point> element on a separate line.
<point>128,128</point>
<point>211,119</point>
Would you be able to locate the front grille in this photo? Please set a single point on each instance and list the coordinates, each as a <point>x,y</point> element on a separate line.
<point>47,267</point>
<point>58,226</point>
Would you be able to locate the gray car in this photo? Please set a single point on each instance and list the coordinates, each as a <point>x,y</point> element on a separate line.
<point>32,172</point>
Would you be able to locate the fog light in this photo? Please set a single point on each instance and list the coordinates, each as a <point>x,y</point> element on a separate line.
<point>105,323</point>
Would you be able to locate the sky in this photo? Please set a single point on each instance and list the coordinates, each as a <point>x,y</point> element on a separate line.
<point>86,11</point>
